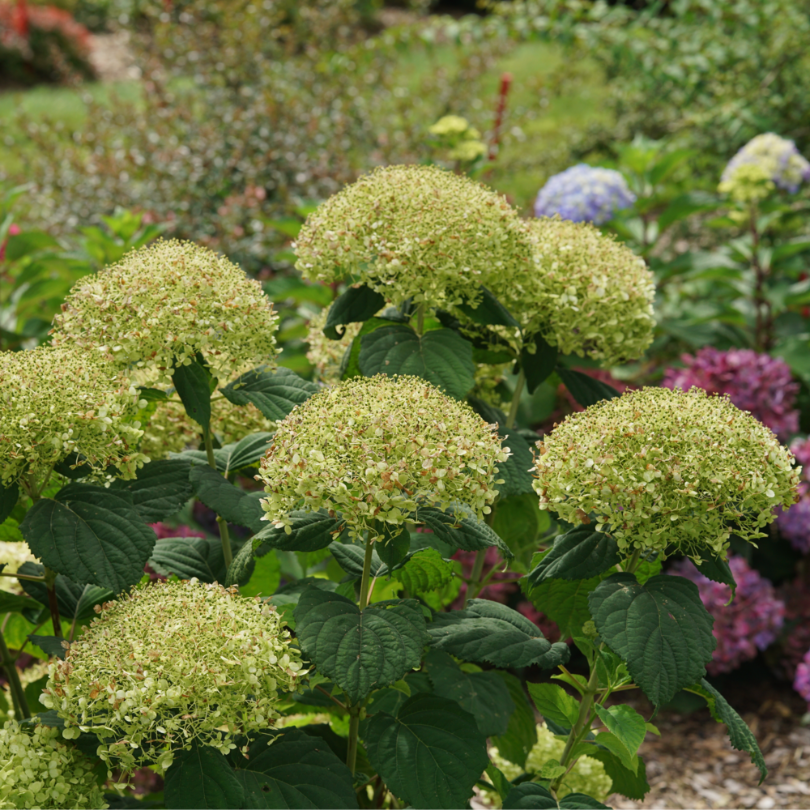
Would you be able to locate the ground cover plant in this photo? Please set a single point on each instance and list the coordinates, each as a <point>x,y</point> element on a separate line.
<point>314,648</point>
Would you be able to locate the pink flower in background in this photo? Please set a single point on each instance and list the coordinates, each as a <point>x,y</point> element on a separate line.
<point>13,230</point>
<point>801,683</point>
<point>794,524</point>
<point>754,382</point>
<point>749,624</point>
<point>162,530</point>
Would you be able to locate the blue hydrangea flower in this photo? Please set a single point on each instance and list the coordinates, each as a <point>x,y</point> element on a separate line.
<point>778,157</point>
<point>584,194</point>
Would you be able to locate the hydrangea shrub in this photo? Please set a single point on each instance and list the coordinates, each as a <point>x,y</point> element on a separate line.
<point>777,160</point>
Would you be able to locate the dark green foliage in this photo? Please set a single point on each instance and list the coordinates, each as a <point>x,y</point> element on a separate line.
<point>585,390</point>
<point>459,528</point>
<point>8,500</point>
<point>489,311</point>
<point>193,384</point>
<point>532,796</point>
<point>521,733</point>
<point>160,490</point>
<point>538,365</point>
<point>202,778</point>
<point>359,303</point>
<point>228,501</point>
<point>515,471</point>
<point>75,601</point>
<point>580,553</point>
<point>274,393</point>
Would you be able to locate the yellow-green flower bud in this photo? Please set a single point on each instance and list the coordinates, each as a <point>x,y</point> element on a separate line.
<point>588,775</point>
<point>665,468</point>
<point>171,664</point>
<point>586,293</point>
<point>374,448</point>
<point>162,304</point>
<point>415,231</point>
<point>38,770</point>
<point>58,401</point>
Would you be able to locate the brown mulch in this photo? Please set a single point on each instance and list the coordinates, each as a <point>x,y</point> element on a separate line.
<point>692,764</point>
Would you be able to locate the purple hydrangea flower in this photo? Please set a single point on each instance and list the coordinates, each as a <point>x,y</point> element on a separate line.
<point>794,524</point>
<point>749,624</point>
<point>780,158</point>
<point>802,681</point>
<point>754,382</point>
<point>584,194</point>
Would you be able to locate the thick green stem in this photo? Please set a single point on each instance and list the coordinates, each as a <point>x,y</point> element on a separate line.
<point>354,711</point>
<point>53,604</point>
<point>473,587</point>
<point>420,319</point>
<point>581,726</point>
<point>224,535</point>
<point>631,565</point>
<point>21,709</point>
<point>513,408</point>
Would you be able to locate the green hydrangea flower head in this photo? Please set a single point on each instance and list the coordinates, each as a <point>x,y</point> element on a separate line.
<point>586,293</point>
<point>59,401</point>
<point>664,468</point>
<point>588,775</point>
<point>38,770</point>
<point>414,232</point>
<point>162,304</point>
<point>374,448</point>
<point>171,664</point>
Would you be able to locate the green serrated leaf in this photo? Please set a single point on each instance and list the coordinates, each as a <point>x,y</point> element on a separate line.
<point>8,500</point>
<point>554,703</point>
<point>292,769</point>
<point>459,528</point>
<point>309,531</point>
<point>193,384</point>
<point>530,795</point>
<point>521,733</point>
<point>152,394</point>
<point>519,522</point>
<point>619,749</point>
<point>188,557</point>
<point>718,570</point>
<point>357,304</point>
<point>360,651</point>
<point>201,777</point>
<point>350,558</point>
<point>489,632</point>
<point>442,357</point>
<point>552,769</point>
<point>483,694</point>
<point>90,534</point>
<point>585,390</point>
<point>430,754</point>
<point>661,630</point>
<point>228,501</point>
<point>395,545</point>
<point>12,603</point>
<point>160,490</point>
<point>625,723</point>
<point>499,781</point>
<point>75,601</point>
<point>50,645</point>
<point>739,734</point>
<point>489,311</point>
<point>564,602</point>
<point>539,365</point>
<point>274,393</point>
<point>517,480</point>
<point>631,784</point>
<point>581,553</point>
<point>425,571</point>
<point>245,452</point>
<point>266,576</point>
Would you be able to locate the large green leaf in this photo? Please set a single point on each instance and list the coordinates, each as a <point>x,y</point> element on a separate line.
<point>441,357</point>
<point>483,694</point>
<point>274,393</point>
<point>519,522</point>
<point>357,304</point>
<point>360,651</point>
<point>539,364</point>
<point>585,390</point>
<point>201,777</point>
<point>517,480</point>
<point>532,796</point>
<point>395,545</point>
<point>631,784</point>
<point>459,528</point>
<point>350,558</point>
<point>555,704</point>
<point>193,384</point>
<point>625,723</point>
<point>12,603</point>
<point>739,734</point>
<point>425,571</point>
<point>489,632</point>
<point>613,744</point>
<point>90,534</point>
<point>489,311</point>
<point>292,769</point>
<point>718,570</point>
<point>521,733</point>
<point>188,557</point>
<point>581,553</point>
<point>310,531</point>
<point>228,501</point>
<point>661,630</point>
<point>160,490</point>
<point>74,600</point>
<point>430,754</point>
<point>8,500</point>
<point>565,602</point>
<point>245,452</point>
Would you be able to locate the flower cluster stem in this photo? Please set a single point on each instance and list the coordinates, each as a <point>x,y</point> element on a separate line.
<point>224,535</point>
<point>53,604</point>
<point>21,709</point>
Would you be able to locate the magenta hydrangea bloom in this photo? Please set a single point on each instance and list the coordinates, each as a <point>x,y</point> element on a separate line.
<point>794,524</point>
<point>754,382</point>
<point>801,683</point>
<point>749,624</point>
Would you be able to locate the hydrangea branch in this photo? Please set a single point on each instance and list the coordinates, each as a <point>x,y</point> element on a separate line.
<point>17,692</point>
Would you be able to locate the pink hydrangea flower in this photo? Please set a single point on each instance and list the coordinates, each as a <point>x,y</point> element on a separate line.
<point>754,382</point>
<point>801,682</point>
<point>749,624</point>
<point>794,524</point>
